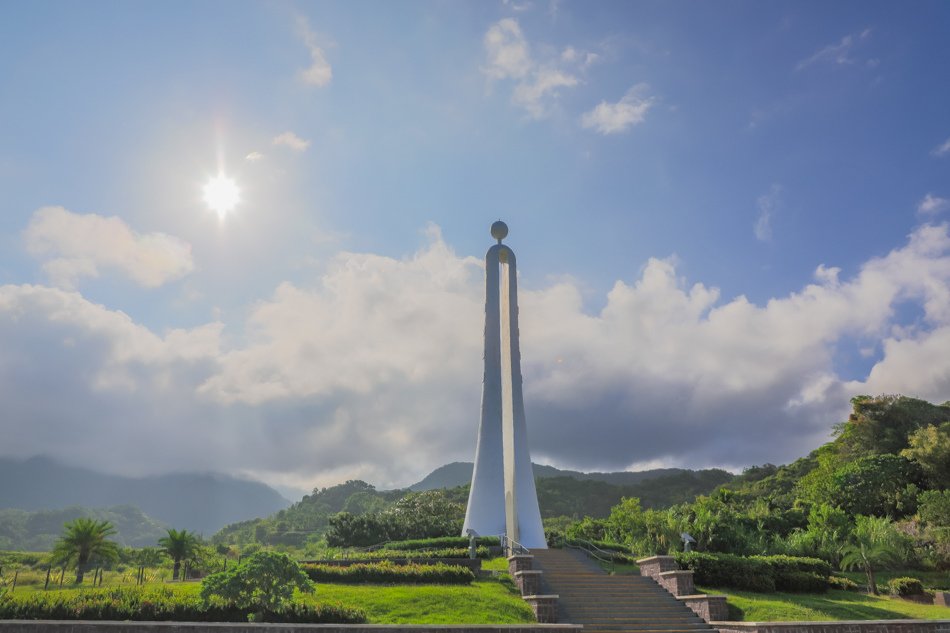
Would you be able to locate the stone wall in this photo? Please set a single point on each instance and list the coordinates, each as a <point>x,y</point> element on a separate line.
<point>545,610</point>
<point>707,607</point>
<point>529,582</point>
<point>678,583</point>
<point>653,566</point>
<point>842,626</point>
<point>80,626</point>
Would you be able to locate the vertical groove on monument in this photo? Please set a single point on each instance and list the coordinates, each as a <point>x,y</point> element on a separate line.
<point>503,498</point>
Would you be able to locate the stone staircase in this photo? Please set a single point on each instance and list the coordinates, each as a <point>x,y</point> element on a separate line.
<point>606,603</point>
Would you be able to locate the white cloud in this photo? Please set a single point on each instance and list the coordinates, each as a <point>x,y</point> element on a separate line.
<point>536,84</point>
<point>766,205</point>
<point>82,245</point>
<point>943,149</point>
<point>253,157</point>
<point>839,54</point>
<point>291,140</point>
<point>319,73</point>
<point>614,118</point>
<point>374,369</point>
<point>931,205</point>
<point>507,51</point>
<point>531,95</point>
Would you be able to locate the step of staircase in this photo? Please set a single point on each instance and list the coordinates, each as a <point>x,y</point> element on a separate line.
<point>604,603</point>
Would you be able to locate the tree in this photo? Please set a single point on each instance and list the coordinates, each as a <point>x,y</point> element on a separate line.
<point>179,545</point>
<point>262,582</point>
<point>930,447</point>
<point>875,545</point>
<point>85,540</point>
<point>625,522</point>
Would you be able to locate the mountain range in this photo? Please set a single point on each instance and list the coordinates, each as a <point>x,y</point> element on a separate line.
<point>460,473</point>
<point>199,502</point>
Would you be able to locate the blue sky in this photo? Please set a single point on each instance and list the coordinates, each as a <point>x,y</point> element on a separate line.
<point>729,217</point>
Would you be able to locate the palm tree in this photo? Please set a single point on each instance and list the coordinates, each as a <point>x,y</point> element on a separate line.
<point>83,540</point>
<point>874,546</point>
<point>179,545</point>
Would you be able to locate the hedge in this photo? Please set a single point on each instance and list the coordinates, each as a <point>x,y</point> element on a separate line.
<point>138,604</point>
<point>385,572</point>
<point>798,573</point>
<point>728,570</point>
<point>905,586</point>
<point>442,542</point>
<point>757,573</point>
<point>454,552</point>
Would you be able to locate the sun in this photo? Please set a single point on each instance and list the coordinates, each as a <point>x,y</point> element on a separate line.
<point>221,194</point>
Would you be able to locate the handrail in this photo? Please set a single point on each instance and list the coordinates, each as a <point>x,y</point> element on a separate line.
<point>511,546</point>
<point>592,550</point>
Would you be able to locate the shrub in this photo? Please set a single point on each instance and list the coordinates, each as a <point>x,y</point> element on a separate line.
<point>728,570</point>
<point>840,582</point>
<point>385,572</point>
<point>158,604</point>
<point>264,582</point>
<point>905,587</point>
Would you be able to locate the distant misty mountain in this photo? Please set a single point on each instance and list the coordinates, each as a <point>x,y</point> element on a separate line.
<point>460,473</point>
<point>201,502</point>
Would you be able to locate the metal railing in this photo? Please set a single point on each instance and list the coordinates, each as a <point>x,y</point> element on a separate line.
<point>592,551</point>
<point>510,546</point>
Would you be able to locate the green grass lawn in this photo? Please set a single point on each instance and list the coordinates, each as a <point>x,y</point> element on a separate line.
<point>833,605</point>
<point>482,602</point>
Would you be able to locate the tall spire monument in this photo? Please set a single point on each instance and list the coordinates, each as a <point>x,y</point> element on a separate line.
<point>503,499</point>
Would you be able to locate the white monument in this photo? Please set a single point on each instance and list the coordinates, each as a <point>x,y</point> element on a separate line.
<point>503,499</point>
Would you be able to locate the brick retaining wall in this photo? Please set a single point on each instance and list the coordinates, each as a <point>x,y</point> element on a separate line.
<point>841,626</point>
<point>82,626</point>
<point>707,607</point>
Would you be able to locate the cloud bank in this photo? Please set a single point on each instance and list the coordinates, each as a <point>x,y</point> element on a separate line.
<point>373,369</point>
<point>77,245</point>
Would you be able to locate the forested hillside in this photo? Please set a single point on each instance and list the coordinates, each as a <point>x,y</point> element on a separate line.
<point>881,484</point>
<point>559,496</point>
<point>37,531</point>
<point>460,474</point>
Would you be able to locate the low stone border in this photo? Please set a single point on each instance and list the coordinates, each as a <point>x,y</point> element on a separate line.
<point>840,626</point>
<point>85,626</point>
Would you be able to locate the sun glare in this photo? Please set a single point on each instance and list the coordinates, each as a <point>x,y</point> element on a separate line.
<point>221,194</point>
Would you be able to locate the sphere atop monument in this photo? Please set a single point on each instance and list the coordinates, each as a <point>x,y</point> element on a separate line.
<point>499,230</point>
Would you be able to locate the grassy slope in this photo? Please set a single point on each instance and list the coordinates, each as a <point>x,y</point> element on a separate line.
<point>833,605</point>
<point>483,602</point>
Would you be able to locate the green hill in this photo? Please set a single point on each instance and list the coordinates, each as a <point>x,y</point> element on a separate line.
<point>561,495</point>
<point>460,474</point>
<point>37,531</point>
